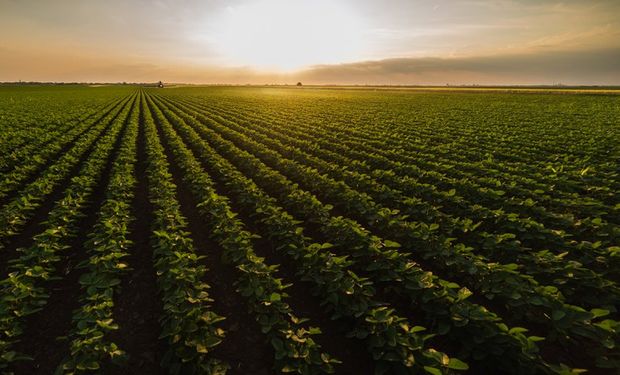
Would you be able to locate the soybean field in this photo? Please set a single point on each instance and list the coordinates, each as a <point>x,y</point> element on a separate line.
<point>262,230</point>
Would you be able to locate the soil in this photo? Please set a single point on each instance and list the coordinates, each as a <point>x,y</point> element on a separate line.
<point>138,306</point>
<point>36,222</point>
<point>44,334</point>
<point>244,348</point>
<point>353,354</point>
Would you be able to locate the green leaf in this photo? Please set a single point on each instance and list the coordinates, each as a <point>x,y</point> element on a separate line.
<point>599,312</point>
<point>457,364</point>
<point>391,244</point>
<point>558,314</point>
<point>288,368</point>
<point>517,330</point>
<point>432,370</point>
<point>535,338</point>
<point>275,297</point>
<point>464,293</point>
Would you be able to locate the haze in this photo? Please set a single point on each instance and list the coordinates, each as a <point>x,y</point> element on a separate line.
<point>317,41</point>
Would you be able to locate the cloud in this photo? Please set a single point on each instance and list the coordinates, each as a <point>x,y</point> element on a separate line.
<point>600,66</point>
<point>579,67</point>
<point>443,41</point>
<point>73,66</point>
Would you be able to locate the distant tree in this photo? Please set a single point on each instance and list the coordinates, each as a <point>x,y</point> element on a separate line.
<point>299,84</point>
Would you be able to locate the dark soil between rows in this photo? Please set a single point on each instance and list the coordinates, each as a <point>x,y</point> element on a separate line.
<point>244,347</point>
<point>44,331</point>
<point>353,354</point>
<point>138,304</point>
<point>37,219</point>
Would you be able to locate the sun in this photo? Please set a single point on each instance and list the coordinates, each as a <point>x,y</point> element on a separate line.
<point>287,35</point>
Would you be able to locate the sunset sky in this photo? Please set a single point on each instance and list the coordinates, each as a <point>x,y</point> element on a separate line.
<point>314,41</point>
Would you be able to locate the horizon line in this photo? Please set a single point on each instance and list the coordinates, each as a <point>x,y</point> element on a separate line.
<point>452,85</point>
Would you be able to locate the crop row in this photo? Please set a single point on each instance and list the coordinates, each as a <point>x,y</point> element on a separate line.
<point>502,247</point>
<point>26,125</point>
<point>37,154</point>
<point>442,303</point>
<point>435,234</point>
<point>189,324</point>
<point>107,245</point>
<point>423,174</point>
<point>490,280</point>
<point>295,350</point>
<point>24,291</point>
<point>346,294</point>
<point>448,136</point>
<point>15,214</point>
<point>43,136</point>
<point>427,163</point>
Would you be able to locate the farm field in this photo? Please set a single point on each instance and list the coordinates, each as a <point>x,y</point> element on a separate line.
<point>249,230</point>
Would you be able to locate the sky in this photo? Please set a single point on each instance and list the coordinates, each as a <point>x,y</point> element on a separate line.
<point>400,42</point>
